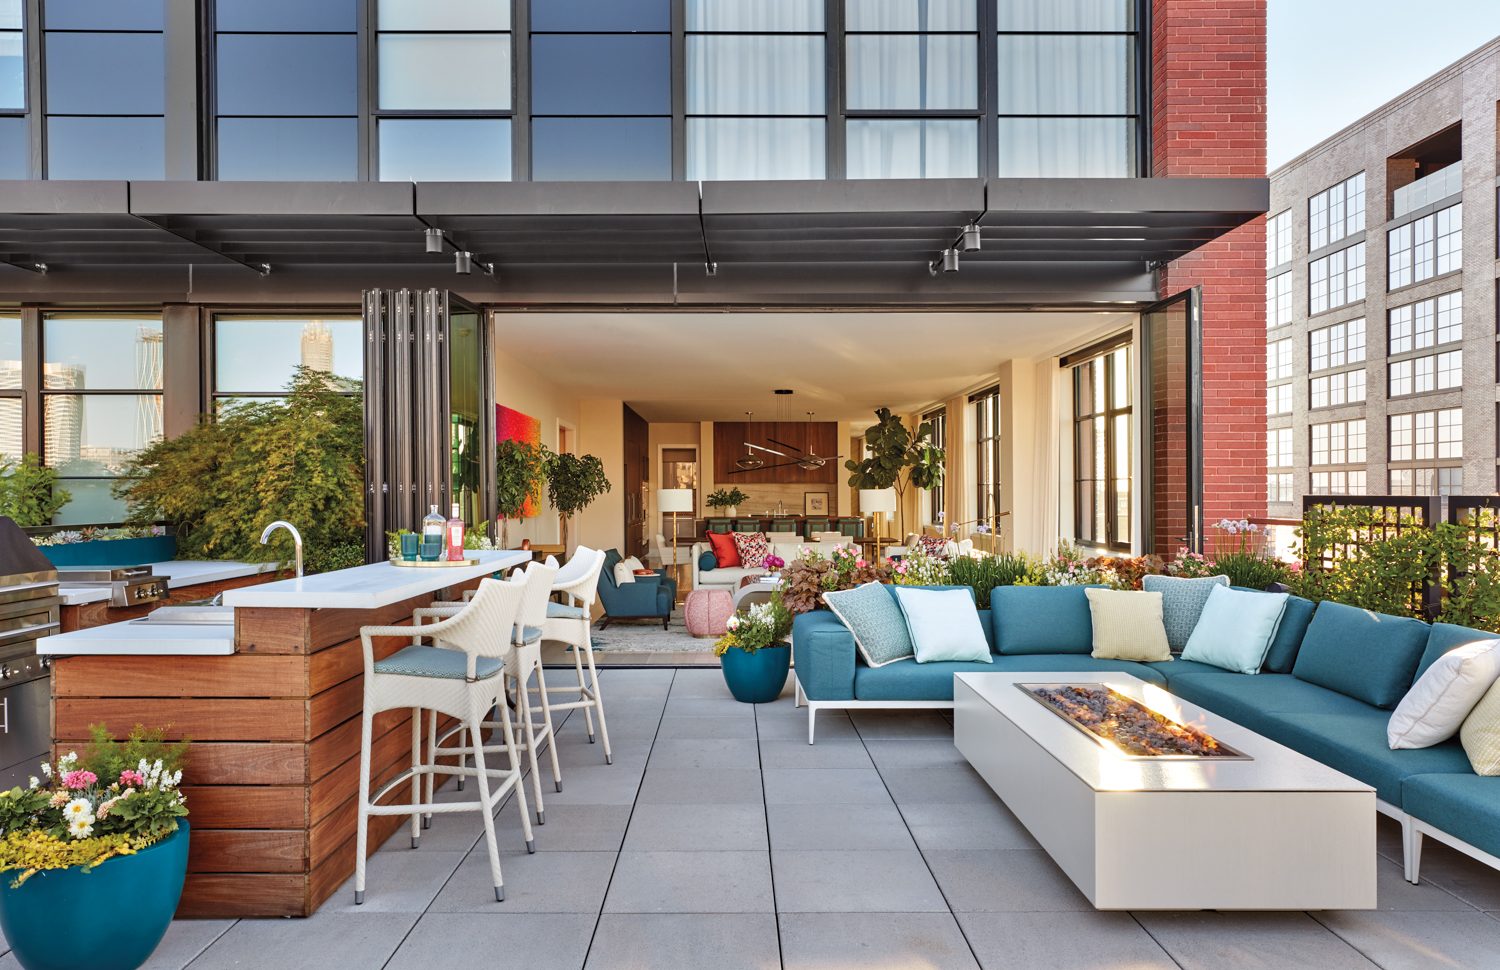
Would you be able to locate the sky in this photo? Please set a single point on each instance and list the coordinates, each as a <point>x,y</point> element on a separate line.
<point>1331,62</point>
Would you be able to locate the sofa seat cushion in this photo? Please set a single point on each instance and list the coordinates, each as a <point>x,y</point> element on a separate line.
<point>1366,655</point>
<point>1247,699</point>
<point>907,680</point>
<point>728,577</point>
<point>1072,663</point>
<point>1356,745</point>
<point>1174,668</point>
<point>1463,805</point>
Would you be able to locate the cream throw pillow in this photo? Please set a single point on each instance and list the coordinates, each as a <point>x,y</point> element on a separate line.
<point>1128,625</point>
<point>1481,733</point>
<point>623,573</point>
<point>1435,707</point>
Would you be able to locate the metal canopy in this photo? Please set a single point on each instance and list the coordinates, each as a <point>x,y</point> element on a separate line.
<point>262,225</point>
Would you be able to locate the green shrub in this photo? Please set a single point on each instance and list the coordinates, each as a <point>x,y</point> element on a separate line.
<point>984,574</point>
<point>29,492</point>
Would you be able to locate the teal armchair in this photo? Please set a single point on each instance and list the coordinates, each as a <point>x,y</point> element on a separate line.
<point>649,596</point>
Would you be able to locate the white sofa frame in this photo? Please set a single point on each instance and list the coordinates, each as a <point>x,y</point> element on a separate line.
<point>800,699</point>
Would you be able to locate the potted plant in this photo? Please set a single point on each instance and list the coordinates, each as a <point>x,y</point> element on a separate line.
<point>898,459</point>
<point>520,471</point>
<point>727,500</point>
<point>754,652</point>
<point>93,859</point>
<point>573,482</point>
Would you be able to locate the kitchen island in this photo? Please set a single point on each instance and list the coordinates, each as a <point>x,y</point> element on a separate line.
<point>186,580</point>
<point>275,723</point>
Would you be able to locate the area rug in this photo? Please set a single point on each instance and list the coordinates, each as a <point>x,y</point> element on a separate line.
<point>647,636</point>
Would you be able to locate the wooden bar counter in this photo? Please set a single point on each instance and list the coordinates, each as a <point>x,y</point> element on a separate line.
<point>272,705</point>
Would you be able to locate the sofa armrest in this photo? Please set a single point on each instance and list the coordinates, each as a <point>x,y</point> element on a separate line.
<point>631,599</point>
<point>824,651</point>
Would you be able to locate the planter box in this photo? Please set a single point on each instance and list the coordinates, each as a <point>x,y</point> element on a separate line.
<point>112,552</point>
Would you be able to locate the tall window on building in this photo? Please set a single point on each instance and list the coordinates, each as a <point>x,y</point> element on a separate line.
<point>1279,359</point>
<point>255,357</point>
<point>1430,246</point>
<point>13,153</point>
<point>1279,300</point>
<point>1427,323</point>
<point>911,88</point>
<point>1435,372</point>
<point>105,89</point>
<point>987,453</point>
<point>1338,443</point>
<point>1336,213</point>
<point>937,497</point>
<point>755,89</point>
<point>1337,346</point>
<point>1279,239</point>
<point>1279,399</point>
<point>1336,279</point>
<point>1278,465</point>
<point>286,84</point>
<point>1102,450</point>
<point>101,403</point>
<point>613,119</point>
<point>12,410</point>
<point>444,90</point>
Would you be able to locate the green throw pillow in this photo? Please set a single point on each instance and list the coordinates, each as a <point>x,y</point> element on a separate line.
<point>878,625</point>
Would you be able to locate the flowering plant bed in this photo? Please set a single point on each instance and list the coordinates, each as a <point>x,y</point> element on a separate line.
<point>1124,725</point>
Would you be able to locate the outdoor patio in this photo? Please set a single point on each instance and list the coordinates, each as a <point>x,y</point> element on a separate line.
<point>720,839</point>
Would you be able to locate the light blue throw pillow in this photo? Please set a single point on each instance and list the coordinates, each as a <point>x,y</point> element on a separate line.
<point>1182,600</point>
<point>943,624</point>
<point>876,621</point>
<point>1236,629</point>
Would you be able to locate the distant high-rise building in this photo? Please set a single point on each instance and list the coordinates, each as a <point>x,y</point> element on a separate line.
<point>147,376</point>
<point>317,346</point>
<point>12,441</point>
<point>63,429</point>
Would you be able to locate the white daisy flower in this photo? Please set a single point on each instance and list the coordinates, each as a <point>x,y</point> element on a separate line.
<point>35,781</point>
<point>76,809</point>
<point>81,828</point>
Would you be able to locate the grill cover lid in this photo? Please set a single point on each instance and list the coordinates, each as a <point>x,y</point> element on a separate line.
<point>18,554</point>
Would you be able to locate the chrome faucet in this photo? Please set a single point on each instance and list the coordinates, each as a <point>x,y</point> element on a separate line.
<point>296,538</point>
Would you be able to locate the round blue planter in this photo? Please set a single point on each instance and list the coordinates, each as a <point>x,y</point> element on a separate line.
<point>756,678</point>
<point>110,918</point>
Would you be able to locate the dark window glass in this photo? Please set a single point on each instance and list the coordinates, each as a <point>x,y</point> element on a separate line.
<point>617,74</point>
<point>623,15</point>
<point>288,149</point>
<point>105,14</point>
<point>287,74</point>
<point>116,74</point>
<point>13,162</point>
<point>296,15</point>
<point>106,148</point>
<point>589,149</point>
<point>444,149</point>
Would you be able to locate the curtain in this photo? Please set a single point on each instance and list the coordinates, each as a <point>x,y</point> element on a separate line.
<point>913,71</point>
<point>768,15</point>
<point>910,15</point>
<point>910,148</point>
<point>1064,15</point>
<point>1066,147</point>
<point>755,74</point>
<point>1066,75</point>
<point>755,148</point>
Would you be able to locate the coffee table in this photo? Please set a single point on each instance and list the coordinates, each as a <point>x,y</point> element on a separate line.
<point>1276,830</point>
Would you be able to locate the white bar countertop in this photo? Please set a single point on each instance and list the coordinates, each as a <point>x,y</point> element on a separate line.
<point>369,587</point>
<point>142,640</point>
<point>178,573</point>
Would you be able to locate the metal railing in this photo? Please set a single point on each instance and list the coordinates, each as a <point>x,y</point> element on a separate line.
<point>1395,514</point>
<point>1424,191</point>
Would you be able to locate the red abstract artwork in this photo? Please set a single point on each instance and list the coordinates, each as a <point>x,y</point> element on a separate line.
<point>514,426</point>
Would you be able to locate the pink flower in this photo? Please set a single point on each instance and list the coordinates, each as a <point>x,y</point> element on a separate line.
<point>58,799</point>
<point>860,563</point>
<point>79,779</point>
<point>130,777</point>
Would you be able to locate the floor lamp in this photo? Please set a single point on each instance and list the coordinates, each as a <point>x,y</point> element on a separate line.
<point>878,502</point>
<point>674,500</point>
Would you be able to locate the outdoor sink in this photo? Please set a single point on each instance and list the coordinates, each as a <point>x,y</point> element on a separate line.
<point>197,615</point>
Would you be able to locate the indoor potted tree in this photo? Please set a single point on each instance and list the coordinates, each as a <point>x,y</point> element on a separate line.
<point>573,482</point>
<point>898,459</point>
<point>727,501</point>
<point>520,471</point>
<point>754,653</point>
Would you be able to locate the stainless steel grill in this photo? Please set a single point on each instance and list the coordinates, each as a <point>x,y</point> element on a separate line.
<point>29,610</point>
<point>129,585</point>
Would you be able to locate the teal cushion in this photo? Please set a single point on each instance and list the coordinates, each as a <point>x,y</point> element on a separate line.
<point>707,561</point>
<point>1366,655</point>
<point>420,661</point>
<point>611,560</point>
<point>1073,663</point>
<point>878,625</point>
<point>1445,637</point>
<point>1356,744</point>
<point>530,634</point>
<point>1182,601</point>
<point>1283,654</point>
<point>943,624</point>
<point>1247,700</point>
<point>1041,619</point>
<point>1235,629</point>
<point>1175,668</point>
<point>907,680</point>
<point>562,611</point>
<point>1463,805</point>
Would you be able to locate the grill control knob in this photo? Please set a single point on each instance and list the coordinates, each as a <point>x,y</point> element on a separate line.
<point>45,662</point>
<point>5,672</point>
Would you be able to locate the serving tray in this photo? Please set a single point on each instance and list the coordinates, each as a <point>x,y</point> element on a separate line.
<point>439,564</point>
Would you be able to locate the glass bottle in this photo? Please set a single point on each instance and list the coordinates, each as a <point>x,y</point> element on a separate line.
<point>455,527</point>
<point>434,525</point>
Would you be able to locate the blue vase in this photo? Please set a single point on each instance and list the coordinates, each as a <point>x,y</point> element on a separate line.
<point>110,918</point>
<point>756,678</point>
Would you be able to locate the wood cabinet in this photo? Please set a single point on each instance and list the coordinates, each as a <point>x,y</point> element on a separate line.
<point>817,437</point>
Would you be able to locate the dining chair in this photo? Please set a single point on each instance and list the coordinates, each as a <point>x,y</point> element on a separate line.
<point>853,528</point>
<point>747,525</point>
<point>783,525</point>
<point>811,527</point>
<point>719,525</point>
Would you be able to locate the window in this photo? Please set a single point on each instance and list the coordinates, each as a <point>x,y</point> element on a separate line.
<point>1279,399</point>
<point>1428,247</point>
<point>12,409</point>
<point>1279,359</point>
<point>987,454</point>
<point>1102,453</point>
<point>101,403</point>
<point>1279,487</point>
<point>1067,99</point>
<point>938,495</point>
<point>443,95</point>
<point>105,90</point>
<point>1336,389</point>
<point>1435,373</point>
<point>256,356</point>
<point>1336,279</point>
<point>612,121</point>
<point>1279,239</point>
<point>1336,213</point>
<point>1338,443</point>
<point>755,90</point>
<point>911,58</point>
<point>1279,300</point>
<point>1429,322</point>
<point>1427,435</point>
<point>286,87</point>
<point>1427,481</point>
<point>1279,448</point>
<point>1338,483</point>
<point>14,161</point>
<point>1335,346</point>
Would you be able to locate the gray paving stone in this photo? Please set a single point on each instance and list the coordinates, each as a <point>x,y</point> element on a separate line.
<point>457,832</point>
<point>832,726</point>
<point>691,882</point>
<point>397,882</point>
<point>948,784</point>
<point>599,785</point>
<point>544,882</point>
<point>1010,881</point>
<point>628,706</point>
<point>624,727</point>
<point>1468,879</point>
<point>1062,941</point>
<point>705,753</point>
<point>969,826</point>
<point>679,827</point>
<point>856,881</point>
<point>837,826</point>
<point>640,677</point>
<point>914,754</point>
<point>1229,941</point>
<point>826,941</point>
<point>825,786</point>
<point>701,786</point>
<point>185,940</point>
<point>574,752</point>
<point>707,682</point>
<point>1395,894</point>
<point>497,941</point>
<point>672,941</point>
<point>327,941</point>
<point>824,754</point>
<point>569,828</point>
<point>707,727</point>
<point>1420,941</point>
<point>693,706</point>
<point>898,725</point>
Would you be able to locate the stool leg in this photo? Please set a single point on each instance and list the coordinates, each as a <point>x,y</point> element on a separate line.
<point>416,777</point>
<point>523,674</point>
<point>515,766</point>
<point>583,692</point>
<point>361,836</point>
<point>488,811</point>
<point>598,699</point>
<point>462,732</point>
<point>541,683</point>
<point>432,760</point>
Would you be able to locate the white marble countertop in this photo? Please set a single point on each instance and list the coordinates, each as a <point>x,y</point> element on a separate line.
<point>142,640</point>
<point>368,587</point>
<point>179,573</point>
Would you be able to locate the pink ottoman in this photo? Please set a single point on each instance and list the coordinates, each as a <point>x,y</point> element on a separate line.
<point>706,610</point>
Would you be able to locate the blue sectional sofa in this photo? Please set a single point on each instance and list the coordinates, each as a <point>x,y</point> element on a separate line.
<point>1326,690</point>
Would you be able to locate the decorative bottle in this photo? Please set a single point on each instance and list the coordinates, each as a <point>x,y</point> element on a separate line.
<point>455,536</point>
<point>433,525</point>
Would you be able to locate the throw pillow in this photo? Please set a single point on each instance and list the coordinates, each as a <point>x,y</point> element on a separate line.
<point>1480,734</point>
<point>878,625</point>
<point>1236,629</point>
<point>634,562</point>
<point>934,546</point>
<point>707,561</point>
<point>1283,654</point>
<point>1435,707</point>
<point>1127,625</point>
<point>623,573</point>
<point>1362,654</point>
<point>1181,602</point>
<point>943,624</point>
<point>725,551</point>
<point>752,549</point>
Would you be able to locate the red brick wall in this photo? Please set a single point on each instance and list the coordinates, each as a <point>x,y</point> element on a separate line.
<point>1209,120</point>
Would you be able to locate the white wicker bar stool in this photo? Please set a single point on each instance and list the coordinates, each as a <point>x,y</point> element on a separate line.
<point>572,623</point>
<point>464,678</point>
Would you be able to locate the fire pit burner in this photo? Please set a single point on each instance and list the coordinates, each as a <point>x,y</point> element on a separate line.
<point>1127,727</point>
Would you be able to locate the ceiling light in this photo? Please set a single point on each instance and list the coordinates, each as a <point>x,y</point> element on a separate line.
<point>948,262</point>
<point>463,263</point>
<point>748,462</point>
<point>970,238</point>
<point>434,240</point>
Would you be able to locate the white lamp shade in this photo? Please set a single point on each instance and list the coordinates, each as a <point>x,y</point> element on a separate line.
<point>674,500</point>
<point>877,500</point>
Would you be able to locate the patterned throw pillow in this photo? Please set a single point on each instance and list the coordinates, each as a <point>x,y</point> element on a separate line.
<point>934,546</point>
<point>752,547</point>
<point>873,616</point>
<point>1182,602</point>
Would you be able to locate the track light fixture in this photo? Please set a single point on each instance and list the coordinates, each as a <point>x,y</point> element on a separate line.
<point>434,240</point>
<point>967,242</point>
<point>463,263</point>
<point>948,262</point>
<point>969,238</point>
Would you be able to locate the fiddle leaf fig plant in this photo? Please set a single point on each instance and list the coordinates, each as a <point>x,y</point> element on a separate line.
<point>573,482</point>
<point>898,459</point>
<point>520,473</point>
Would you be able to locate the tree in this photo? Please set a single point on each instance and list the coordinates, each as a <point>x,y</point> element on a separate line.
<point>520,471</point>
<point>573,482</point>
<point>898,459</point>
<point>29,492</point>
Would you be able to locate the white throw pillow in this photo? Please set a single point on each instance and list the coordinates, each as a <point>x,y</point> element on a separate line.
<point>623,573</point>
<point>943,625</point>
<point>634,563</point>
<point>1435,707</point>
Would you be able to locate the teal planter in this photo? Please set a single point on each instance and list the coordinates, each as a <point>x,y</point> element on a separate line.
<point>112,552</point>
<point>111,918</point>
<point>756,678</point>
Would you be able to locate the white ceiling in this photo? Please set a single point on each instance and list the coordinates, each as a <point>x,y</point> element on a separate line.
<point>716,366</point>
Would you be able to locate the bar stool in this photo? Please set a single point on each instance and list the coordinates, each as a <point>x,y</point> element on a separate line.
<point>464,679</point>
<point>572,623</point>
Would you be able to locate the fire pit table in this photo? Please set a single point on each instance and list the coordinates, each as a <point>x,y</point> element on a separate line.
<point>1149,802</point>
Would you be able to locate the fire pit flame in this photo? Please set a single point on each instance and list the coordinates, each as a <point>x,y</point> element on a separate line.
<point>1125,725</point>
